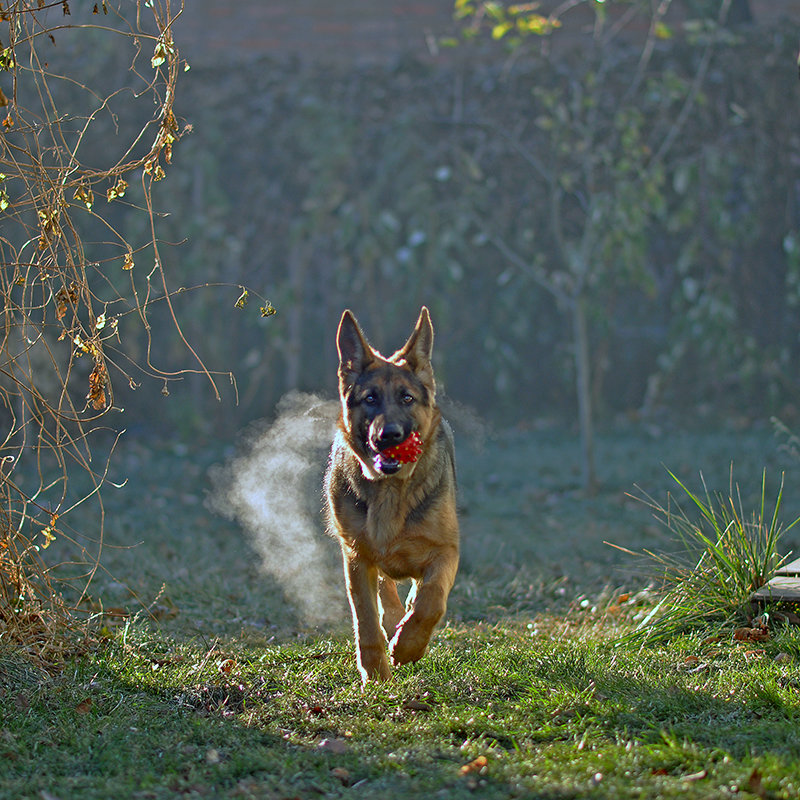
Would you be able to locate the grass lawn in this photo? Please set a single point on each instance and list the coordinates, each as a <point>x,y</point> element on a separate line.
<point>525,692</point>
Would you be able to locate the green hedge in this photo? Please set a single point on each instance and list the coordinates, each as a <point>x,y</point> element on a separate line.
<point>322,187</point>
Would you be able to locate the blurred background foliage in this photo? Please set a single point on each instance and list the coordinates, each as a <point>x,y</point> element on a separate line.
<point>498,187</point>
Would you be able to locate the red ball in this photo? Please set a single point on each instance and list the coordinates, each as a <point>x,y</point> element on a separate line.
<point>407,451</point>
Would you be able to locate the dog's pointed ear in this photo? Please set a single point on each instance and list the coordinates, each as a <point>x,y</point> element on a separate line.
<point>416,352</point>
<point>354,351</point>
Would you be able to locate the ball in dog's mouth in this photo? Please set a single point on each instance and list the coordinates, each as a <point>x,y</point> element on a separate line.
<point>389,460</point>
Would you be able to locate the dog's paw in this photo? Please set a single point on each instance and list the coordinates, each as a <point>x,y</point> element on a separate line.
<point>374,667</point>
<point>406,647</point>
<point>383,672</point>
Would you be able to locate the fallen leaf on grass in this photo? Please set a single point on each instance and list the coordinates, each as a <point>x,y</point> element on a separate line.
<point>335,746</point>
<point>417,705</point>
<point>782,658</point>
<point>341,774</point>
<point>479,765</point>
<point>760,634</point>
<point>755,785</point>
<point>226,665</point>
<point>752,655</point>
<point>164,660</point>
<point>85,706</point>
<point>160,611</point>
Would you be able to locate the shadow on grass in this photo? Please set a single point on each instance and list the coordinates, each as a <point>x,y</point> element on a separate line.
<point>552,719</point>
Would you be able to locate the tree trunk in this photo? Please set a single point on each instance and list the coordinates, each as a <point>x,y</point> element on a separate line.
<point>298,267</point>
<point>584,393</point>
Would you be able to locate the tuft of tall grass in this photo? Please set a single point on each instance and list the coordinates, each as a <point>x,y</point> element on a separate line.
<point>722,558</point>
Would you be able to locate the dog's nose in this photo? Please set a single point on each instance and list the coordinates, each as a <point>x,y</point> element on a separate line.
<point>392,433</point>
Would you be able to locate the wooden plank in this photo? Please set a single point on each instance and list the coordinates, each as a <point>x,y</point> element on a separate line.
<point>781,589</point>
<point>792,568</point>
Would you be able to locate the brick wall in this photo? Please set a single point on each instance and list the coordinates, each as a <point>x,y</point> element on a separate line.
<point>220,31</point>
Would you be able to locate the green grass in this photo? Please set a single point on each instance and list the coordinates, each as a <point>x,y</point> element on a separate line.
<point>554,715</point>
<point>724,556</point>
<point>229,695</point>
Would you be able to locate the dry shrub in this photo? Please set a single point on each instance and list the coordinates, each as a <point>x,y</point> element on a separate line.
<point>72,285</point>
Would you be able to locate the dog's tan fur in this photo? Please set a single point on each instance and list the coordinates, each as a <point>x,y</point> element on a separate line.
<point>392,526</point>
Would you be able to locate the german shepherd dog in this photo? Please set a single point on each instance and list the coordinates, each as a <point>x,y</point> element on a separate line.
<point>391,496</point>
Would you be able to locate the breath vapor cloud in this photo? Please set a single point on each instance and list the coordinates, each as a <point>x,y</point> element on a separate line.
<point>273,490</point>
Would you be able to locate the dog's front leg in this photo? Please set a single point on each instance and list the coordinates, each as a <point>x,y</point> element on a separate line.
<point>391,608</point>
<point>362,592</point>
<point>429,604</point>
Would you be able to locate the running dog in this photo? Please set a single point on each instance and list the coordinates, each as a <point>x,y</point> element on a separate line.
<point>390,492</point>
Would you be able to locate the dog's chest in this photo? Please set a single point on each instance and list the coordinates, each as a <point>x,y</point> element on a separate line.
<point>385,519</point>
<point>383,533</point>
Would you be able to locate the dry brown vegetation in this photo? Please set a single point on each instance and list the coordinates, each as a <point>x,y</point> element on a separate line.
<point>73,284</point>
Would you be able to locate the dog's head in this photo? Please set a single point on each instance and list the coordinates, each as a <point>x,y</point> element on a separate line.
<point>386,400</point>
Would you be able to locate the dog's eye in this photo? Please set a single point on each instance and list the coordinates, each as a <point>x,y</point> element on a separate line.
<point>406,399</point>
<point>370,400</point>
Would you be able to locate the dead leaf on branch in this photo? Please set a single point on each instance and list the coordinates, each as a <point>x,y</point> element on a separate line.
<point>117,190</point>
<point>49,225</point>
<point>152,167</point>
<point>164,48</point>
<point>66,297</point>
<point>98,380</point>
<point>49,532</point>
<point>85,195</point>
<point>243,298</point>
<point>87,346</point>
